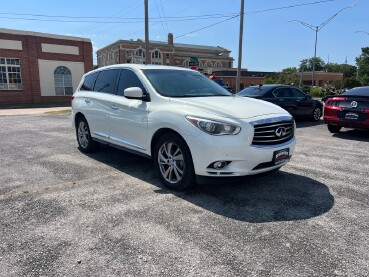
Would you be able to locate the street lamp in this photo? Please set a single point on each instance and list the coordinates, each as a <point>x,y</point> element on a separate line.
<point>316,29</point>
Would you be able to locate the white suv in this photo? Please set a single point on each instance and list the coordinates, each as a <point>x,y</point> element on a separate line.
<point>187,123</point>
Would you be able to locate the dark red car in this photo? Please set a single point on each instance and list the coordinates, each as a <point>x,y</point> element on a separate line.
<point>350,110</point>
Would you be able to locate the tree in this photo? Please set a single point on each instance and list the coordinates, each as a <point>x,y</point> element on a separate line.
<point>363,66</point>
<point>347,69</point>
<point>351,82</point>
<point>289,76</point>
<point>307,64</point>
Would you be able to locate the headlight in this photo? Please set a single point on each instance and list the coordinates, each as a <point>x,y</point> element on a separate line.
<point>213,127</point>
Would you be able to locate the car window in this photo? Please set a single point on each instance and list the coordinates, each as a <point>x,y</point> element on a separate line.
<point>106,81</point>
<point>89,81</point>
<point>128,79</point>
<point>252,91</point>
<point>296,93</point>
<point>359,91</point>
<point>183,83</point>
<point>282,92</point>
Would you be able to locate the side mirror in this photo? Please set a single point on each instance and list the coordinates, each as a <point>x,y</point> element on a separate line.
<point>308,96</point>
<point>133,93</point>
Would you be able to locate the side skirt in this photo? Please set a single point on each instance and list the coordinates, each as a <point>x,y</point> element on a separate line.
<point>122,148</point>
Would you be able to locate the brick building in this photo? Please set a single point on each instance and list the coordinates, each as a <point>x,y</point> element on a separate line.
<point>320,77</point>
<point>38,68</point>
<point>208,58</point>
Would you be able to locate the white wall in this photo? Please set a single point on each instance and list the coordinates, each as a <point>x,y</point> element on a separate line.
<point>46,69</point>
<point>59,49</point>
<point>10,44</point>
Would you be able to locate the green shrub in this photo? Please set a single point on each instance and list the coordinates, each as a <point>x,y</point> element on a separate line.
<point>317,92</point>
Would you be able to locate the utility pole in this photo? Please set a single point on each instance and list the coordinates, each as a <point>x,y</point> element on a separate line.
<point>147,47</point>
<point>240,48</point>
<point>316,29</point>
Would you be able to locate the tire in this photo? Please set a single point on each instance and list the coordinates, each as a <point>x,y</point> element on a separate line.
<point>333,128</point>
<point>85,141</point>
<point>317,113</point>
<point>173,162</point>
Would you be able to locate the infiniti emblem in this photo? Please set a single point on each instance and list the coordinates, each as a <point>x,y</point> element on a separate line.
<point>280,132</point>
<point>354,104</point>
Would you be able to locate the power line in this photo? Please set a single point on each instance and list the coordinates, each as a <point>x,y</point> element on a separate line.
<point>211,25</point>
<point>85,18</point>
<point>291,6</point>
<point>165,20</point>
<point>256,12</point>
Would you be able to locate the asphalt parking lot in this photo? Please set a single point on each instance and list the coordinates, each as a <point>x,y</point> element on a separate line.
<point>65,213</point>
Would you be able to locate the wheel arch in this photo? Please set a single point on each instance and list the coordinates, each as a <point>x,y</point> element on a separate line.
<point>78,116</point>
<point>161,132</point>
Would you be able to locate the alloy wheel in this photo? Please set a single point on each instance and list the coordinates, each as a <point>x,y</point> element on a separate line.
<point>317,114</point>
<point>171,162</point>
<point>83,134</point>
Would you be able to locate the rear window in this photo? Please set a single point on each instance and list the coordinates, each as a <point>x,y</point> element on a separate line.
<point>89,81</point>
<point>361,91</point>
<point>107,81</point>
<point>253,91</point>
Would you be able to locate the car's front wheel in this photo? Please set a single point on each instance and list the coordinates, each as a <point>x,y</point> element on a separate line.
<point>317,113</point>
<point>85,141</point>
<point>334,128</point>
<point>173,162</point>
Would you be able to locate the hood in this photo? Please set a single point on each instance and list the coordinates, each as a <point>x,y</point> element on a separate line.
<point>229,106</point>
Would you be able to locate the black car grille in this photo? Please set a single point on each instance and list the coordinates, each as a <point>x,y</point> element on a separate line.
<point>273,133</point>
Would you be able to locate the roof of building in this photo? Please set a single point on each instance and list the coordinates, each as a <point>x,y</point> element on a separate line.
<point>37,34</point>
<point>177,45</point>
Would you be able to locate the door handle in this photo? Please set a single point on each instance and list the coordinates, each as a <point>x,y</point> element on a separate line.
<point>114,107</point>
<point>87,101</point>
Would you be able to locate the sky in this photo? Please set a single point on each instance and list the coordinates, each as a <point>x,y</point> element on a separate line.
<point>270,41</point>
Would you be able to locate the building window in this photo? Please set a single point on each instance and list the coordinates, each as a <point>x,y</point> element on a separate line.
<point>218,65</point>
<point>156,54</point>
<point>200,64</point>
<point>156,57</point>
<point>10,75</point>
<point>208,64</point>
<point>186,63</point>
<point>63,81</point>
<point>139,56</point>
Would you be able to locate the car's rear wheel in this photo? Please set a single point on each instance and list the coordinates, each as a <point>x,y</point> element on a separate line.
<point>173,162</point>
<point>317,113</point>
<point>334,128</point>
<point>85,141</point>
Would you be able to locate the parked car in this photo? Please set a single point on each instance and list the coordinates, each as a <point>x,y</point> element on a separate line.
<point>293,100</point>
<point>350,110</point>
<point>230,89</point>
<point>189,125</point>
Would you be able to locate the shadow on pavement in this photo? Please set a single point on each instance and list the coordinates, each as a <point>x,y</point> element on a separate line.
<point>303,123</point>
<point>278,196</point>
<point>353,134</point>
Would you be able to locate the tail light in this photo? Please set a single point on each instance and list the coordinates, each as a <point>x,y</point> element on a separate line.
<point>334,101</point>
<point>71,98</point>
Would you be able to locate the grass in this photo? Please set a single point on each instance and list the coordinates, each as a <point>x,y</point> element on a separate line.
<point>68,111</point>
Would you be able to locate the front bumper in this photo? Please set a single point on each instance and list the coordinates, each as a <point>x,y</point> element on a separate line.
<point>243,158</point>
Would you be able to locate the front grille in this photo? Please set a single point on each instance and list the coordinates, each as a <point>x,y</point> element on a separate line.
<point>273,133</point>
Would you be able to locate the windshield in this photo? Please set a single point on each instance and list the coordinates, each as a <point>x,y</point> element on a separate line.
<point>181,83</point>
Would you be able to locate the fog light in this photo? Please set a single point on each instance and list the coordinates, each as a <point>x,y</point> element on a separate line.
<point>219,164</point>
